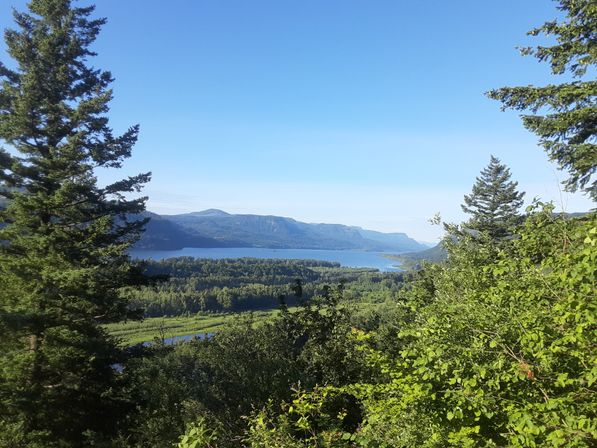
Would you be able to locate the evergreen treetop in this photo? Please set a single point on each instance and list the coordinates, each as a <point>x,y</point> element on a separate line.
<point>564,116</point>
<point>63,255</point>
<point>494,201</point>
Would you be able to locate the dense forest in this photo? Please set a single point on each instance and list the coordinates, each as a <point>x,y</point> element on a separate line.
<point>495,346</point>
<point>191,285</point>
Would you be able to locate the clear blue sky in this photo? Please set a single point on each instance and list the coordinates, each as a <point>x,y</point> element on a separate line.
<point>368,113</point>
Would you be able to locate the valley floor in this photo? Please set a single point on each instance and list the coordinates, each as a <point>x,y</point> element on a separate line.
<point>135,332</point>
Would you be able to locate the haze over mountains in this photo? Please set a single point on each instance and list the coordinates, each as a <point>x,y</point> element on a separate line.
<point>216,228</point>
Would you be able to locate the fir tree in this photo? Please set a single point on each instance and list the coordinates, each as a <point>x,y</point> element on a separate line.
<point>63,238</point>
<point>564,116</point>
<point>494,201</point>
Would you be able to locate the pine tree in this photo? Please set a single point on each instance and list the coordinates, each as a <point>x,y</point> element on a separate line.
<point>494,201</point>
<point>564,116</point>
<point>63,238</point>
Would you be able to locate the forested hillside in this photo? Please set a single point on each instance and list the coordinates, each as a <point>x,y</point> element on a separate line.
<point>434,254</point>
<point>215,228</point>
<point>163,234</point>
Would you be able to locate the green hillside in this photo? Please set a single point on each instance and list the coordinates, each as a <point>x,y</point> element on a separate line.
<point>216,227</point>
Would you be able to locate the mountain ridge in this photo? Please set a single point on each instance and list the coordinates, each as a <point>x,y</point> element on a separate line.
<point>217,228</point>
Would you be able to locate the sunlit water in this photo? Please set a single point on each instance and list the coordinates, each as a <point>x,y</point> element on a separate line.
<point>346,258</point>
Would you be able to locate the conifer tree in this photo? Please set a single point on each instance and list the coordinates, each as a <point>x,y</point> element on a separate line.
<point>564,116</point>
<point>494,201</point>
<point>63,238</point>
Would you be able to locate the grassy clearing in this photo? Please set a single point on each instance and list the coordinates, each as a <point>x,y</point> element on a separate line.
<point>134,332</point>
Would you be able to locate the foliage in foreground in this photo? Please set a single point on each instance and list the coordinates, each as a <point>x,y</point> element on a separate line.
<point>501,352</point>
<point>63,237</point>
<point>221,380</point>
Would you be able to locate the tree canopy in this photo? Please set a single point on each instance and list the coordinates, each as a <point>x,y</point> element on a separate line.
<point>494,201</point>
<point>64,239</point>
<point>495,348</point>
<point>564,116</point>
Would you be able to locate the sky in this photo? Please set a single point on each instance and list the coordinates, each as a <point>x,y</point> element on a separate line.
<point>368,113</point>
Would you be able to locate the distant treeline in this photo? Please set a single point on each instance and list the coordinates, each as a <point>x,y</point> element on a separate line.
<point>188,285</point>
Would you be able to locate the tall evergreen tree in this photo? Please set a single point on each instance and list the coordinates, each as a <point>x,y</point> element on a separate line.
<point>564,116</point>
<point>494,201</point>
<point>63,238</point>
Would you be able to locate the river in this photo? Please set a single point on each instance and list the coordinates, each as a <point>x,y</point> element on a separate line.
<point>346,258</point>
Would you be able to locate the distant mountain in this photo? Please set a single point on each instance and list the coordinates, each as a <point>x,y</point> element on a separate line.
<point>163,234</point>
<point>211,213</point>
<point>435,254</point>
<point>400,241</point>
<point>216,228</point>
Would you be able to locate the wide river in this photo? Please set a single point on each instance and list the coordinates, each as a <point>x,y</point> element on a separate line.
<point>347,258</point>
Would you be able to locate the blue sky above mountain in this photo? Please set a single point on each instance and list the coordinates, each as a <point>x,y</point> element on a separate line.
<point>362,113</point>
